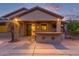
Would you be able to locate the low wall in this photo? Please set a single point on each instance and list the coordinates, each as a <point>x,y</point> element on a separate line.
<point>48,38</point>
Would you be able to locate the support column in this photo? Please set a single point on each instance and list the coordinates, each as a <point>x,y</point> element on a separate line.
<point>58,29</point>
<point>16,32</point>
<point>58,24</point>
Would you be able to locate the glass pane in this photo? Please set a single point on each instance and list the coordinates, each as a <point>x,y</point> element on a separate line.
<point>43,27</point>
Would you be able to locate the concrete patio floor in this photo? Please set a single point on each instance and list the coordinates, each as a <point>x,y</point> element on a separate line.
<point>27,48</point>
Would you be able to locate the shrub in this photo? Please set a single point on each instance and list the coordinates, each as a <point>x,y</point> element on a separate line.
<point>73,28</point>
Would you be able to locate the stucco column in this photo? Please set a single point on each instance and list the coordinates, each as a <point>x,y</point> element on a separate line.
<point>16,31</point>
<point>58,29</point>
<point>58,24</point>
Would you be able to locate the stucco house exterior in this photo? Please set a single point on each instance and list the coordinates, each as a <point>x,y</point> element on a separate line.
<point>38,23</point>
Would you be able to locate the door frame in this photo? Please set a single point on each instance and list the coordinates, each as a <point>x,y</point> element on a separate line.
<point>28,29</point>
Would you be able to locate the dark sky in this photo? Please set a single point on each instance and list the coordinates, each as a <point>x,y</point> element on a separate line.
<point>60,8</point>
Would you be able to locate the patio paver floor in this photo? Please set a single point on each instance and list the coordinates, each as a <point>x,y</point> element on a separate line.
<point>26,48</point>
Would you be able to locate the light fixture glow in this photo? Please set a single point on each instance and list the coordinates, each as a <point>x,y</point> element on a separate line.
<point>15,21</point>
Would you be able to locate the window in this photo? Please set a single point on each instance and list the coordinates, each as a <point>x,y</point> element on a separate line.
<point>43,27</point>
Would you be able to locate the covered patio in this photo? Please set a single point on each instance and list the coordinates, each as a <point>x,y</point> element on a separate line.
<point>38,23</point>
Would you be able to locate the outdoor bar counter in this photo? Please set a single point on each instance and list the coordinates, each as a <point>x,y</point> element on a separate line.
<point>48,36</point>
<point>49,33</point>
